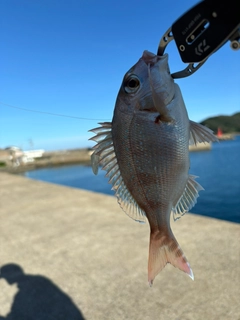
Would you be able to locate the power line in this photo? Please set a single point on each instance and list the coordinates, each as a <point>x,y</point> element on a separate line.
<point>51,113</point>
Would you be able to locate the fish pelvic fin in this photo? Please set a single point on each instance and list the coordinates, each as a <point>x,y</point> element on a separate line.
<point>165,249</point>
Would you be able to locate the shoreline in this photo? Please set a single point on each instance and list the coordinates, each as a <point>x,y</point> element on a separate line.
<point>52,159</point>
<point>31,167</point>
<point>68,157</point>
<point>77,156</point>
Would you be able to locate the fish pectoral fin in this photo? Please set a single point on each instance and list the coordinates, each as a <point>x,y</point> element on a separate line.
<point>200,133</point>
<point>165,249</point>
<point>188,198</point>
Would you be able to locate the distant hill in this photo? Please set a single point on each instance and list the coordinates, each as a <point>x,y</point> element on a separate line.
<point>228,124</point>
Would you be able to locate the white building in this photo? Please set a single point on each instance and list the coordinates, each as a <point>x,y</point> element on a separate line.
<point>31,155</point>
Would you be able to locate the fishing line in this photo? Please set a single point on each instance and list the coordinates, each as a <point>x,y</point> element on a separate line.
<point>51,113</point>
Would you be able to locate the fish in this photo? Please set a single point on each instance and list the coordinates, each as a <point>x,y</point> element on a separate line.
<point>145,153</point>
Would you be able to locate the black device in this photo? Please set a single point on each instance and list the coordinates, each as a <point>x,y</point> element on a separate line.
<point>202,30</point>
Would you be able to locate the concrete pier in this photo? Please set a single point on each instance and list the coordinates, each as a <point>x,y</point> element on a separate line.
<point>95,257</point>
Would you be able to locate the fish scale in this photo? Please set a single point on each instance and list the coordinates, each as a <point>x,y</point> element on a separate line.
<point>145,151</point>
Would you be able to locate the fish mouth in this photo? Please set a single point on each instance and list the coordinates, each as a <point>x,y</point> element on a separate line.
<point>160,82</point>
<point>151,58</point>
<point>150,110</point>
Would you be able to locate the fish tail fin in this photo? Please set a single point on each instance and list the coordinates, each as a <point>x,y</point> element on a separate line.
<point>165,249</point>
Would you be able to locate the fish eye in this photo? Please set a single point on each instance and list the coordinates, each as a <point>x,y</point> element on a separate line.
<point>131,84</point>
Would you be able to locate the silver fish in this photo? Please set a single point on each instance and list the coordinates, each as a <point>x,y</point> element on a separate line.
<point>145,151</point>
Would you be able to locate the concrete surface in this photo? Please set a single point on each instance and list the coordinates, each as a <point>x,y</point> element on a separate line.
<point>92,254</point>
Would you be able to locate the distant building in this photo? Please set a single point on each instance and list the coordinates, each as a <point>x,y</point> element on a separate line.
<point>31,155</point>
<point>15,156</point>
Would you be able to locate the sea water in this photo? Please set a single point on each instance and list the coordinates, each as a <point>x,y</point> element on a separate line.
<point>218,171</point>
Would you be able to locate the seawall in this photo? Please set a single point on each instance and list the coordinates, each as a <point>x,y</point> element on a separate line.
<point>85,245</point>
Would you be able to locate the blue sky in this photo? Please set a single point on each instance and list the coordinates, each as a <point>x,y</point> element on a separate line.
<point>69,57</point>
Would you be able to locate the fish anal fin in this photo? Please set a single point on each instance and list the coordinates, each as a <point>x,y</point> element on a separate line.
<point>188,198</point>
<point>165,249</point>
<point>200,133</point>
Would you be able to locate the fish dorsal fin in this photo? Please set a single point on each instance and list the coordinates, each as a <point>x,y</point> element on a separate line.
<point>200,133</point>
<point>105,156</point>
<point>188,198</point>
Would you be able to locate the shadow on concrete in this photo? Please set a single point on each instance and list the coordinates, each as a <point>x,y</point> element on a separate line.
<point>38,298</point>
